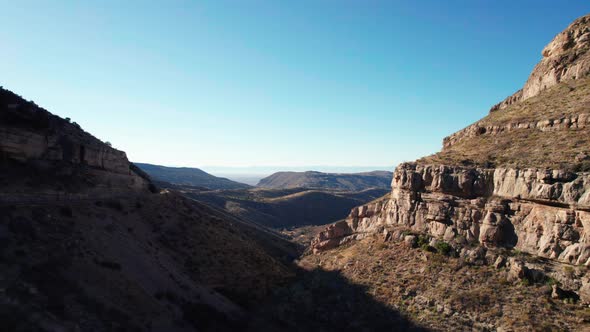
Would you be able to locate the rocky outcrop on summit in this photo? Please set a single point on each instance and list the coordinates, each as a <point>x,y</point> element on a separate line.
<point>564,58</point>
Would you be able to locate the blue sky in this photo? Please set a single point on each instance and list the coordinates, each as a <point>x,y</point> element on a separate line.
<point>283,83</point>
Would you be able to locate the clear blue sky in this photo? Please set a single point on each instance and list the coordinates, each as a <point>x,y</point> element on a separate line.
<point>288,83</point>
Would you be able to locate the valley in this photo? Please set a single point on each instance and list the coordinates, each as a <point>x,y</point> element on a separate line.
<point>489,234</point>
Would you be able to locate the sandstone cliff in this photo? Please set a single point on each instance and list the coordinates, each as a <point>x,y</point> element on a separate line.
<point>517,179</point>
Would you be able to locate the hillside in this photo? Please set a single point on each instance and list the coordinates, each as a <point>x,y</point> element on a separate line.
<point>449,292</point>
<point>330,181</point>
<point>546,124</point>
<point>189,176</point>
<point>549,130</point>
<point>505,205</point>
<point>89,244</point>
<point>281,208</point>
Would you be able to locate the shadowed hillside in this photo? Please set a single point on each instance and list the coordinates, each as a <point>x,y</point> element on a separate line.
<point>88,241</point>
<point>279,208</point>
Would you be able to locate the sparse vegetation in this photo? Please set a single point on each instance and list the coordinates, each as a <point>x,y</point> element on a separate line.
<point>443,248</point>
<point>445,294</point>
<point>529,147</point>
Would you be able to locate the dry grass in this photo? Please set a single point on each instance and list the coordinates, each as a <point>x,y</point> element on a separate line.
<point>519,148</point>
<point>529,147</point>
<point>564,99</point>
<point>444,293</point>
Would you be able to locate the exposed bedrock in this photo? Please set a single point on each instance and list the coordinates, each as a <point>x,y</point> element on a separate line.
<point>542,212</point>
<point>36,138</point>
<point>564,58</point>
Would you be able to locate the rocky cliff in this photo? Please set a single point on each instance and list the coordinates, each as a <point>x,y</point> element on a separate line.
<point>516,179</point>
<point>564,58</point>
<point>35,138</point>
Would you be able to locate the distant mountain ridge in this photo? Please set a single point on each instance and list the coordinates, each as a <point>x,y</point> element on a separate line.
<point>189,176</point>
<point>332,181</point>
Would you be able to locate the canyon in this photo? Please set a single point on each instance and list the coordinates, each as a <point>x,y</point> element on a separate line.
<point>492,233</point>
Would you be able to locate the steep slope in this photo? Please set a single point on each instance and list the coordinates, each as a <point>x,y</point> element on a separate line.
<point>449,293</point>
<point>516,179</point>
<point>331,181</point>
<point>189,176</point>
<point>88,243</point>
<point>278,208</point>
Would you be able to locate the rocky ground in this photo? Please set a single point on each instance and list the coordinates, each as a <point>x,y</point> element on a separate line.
<point>445,293</point>
<point>144,262</point>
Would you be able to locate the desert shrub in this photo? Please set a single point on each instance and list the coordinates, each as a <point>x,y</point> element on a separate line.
<point>569,271</point>
<point>406,233</point>
<point>551,281</point>
<point>583,166</point>
<point>443,248</point>
<point>381,246</point>
<point>423,240</point>
<point>424,243</point>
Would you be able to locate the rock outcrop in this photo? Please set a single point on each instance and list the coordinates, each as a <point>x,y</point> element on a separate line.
<point>546,213</point>
<point>564,58</point>
<point>574,122</point>
<point>34,137</point>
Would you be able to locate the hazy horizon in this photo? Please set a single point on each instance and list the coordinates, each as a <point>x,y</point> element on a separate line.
<point>275,83</point>
<point>268,169</point>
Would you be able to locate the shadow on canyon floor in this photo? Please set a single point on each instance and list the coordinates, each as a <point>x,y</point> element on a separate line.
<point>320,300</point>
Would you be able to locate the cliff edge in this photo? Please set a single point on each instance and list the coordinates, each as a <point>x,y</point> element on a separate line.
<point>517,179</point>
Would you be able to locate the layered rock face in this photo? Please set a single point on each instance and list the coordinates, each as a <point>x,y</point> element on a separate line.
<point>546,213</point>
<point>574,122</point>
<point>33,136</point>
<point>564,58</point>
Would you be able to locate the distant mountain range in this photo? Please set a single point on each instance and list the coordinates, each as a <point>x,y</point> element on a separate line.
<point>195,177</point>
<point>189,176</point>
<point>330,181</point>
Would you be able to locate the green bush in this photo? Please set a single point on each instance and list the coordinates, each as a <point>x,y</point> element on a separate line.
<point>423,240</point>
<point>443,248</point>
<point>551,281</point>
